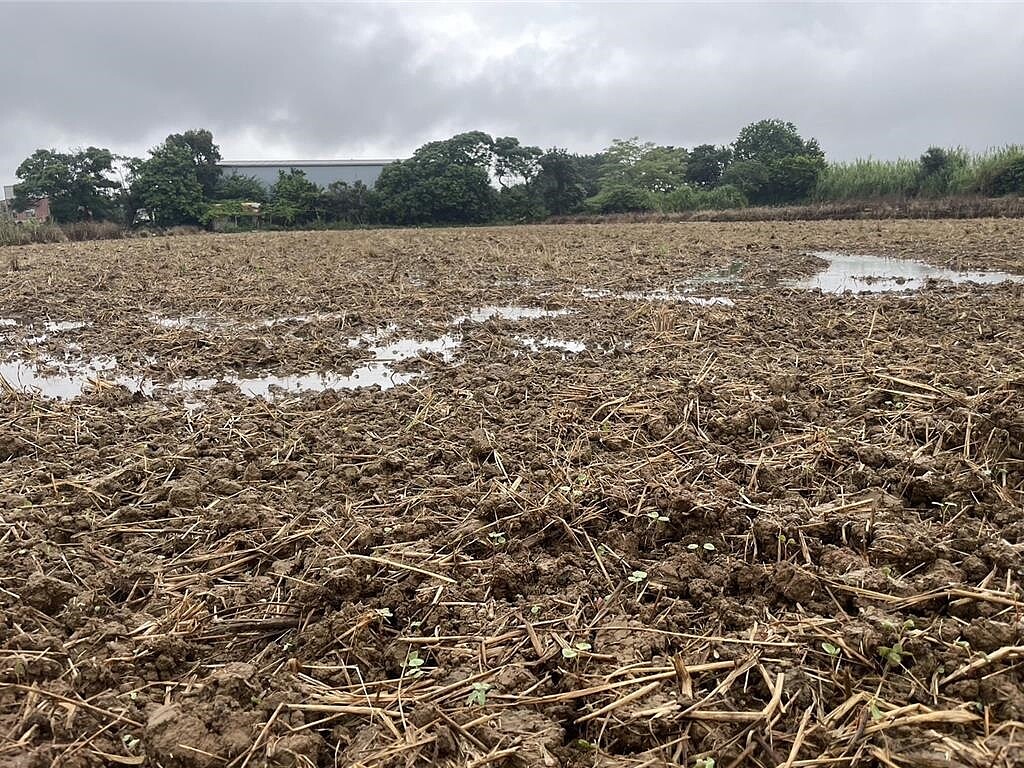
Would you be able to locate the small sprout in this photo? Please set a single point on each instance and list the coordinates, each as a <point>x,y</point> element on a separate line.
<point>710,548</point>
<point>893,656</point>
<point>583,745</point>
<point>876,713</point>
<point>637,576</point>
<point>653,515</point>
<point>535,609</point>
<point>130,742</point>
<point>497,538</point>
<point>704,762</point>
<point>384,613</point>
<point>830,649</point>
<point>133,695</point>
<point>693,547</point>
<point>908,624</point>
<point>414,664</point>
<point>572,651</point>
<point>478,696</point>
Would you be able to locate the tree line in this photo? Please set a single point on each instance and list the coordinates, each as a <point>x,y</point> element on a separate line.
<point>474,178</point>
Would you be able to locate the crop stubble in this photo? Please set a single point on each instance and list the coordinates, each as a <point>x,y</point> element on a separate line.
<point>785,532</point>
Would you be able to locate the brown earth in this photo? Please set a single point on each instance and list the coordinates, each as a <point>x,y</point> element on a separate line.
<point>784,532</point>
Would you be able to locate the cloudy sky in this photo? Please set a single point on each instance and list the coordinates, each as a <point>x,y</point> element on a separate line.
<point>320,81</point>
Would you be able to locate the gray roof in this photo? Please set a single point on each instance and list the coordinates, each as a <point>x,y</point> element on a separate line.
<point>301,163</point>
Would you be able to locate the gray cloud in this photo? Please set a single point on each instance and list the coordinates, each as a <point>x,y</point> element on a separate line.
<point>378,80</point>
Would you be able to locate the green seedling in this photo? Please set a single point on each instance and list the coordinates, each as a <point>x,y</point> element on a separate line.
<point>893,654</point>
<point>414,664</point>
<point>497,538</point>
<point>571,652</point>
<point>831,650</point>
<point>478,696</point>
<point>876,713</point>
<point>657,518</point>
<point>704,762</point>
<point>636,577</point>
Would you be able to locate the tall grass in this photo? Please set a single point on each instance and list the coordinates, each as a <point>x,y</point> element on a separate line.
<point>25,233</point>
<point>12,233</point>
<point>867,179</point>
<point>92,230</point>
<point>984,173</point>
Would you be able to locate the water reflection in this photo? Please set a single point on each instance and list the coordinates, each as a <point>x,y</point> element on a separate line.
<point>880,274</point>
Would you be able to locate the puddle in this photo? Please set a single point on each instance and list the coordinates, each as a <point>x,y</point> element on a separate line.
<point>300,319</point>
<point>199,321</point>
<point>881,274</point>
<point>269,387</point>
<point>659,295</point>
<point>406,349</point>
<point>379,372</point>
<point>65,325</point>
<point>507,312</point>
<point>71,378</point>
<point>565,345</point>
<point>66,382</point>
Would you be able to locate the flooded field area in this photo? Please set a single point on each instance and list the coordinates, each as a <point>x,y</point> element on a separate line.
<point>613,495</point>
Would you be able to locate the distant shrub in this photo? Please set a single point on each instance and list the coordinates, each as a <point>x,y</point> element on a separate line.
<point>25,233</point>
<point>1007,180</point>
<point>721,198</point>
<point>620,198</point>
<point>681,199</point>
<point>92,230</point>
<point>183,229</point>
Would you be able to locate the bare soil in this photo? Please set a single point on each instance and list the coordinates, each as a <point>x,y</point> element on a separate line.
<point>786,530</point>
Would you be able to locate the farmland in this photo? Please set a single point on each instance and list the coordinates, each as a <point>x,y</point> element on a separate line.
<point>555,495</point>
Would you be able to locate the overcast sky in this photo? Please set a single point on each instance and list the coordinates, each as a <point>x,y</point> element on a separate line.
<point>325,81</point>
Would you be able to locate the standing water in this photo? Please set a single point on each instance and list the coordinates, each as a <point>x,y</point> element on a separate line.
<point>881,274</point>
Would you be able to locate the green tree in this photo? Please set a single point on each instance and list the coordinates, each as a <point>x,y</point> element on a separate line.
<point>706,164</point>
<point>295,198</point>
<point>620,198</point>
<point>351,204</point>
<point>773,164</point>
<point>937,169</point>
<point>167,187</point>
<point>513,163</point>
<point>560,181</point>
<point>750,177</point>
<point>78,183</point>
<point>443,182</point>
<point>768,140</point>
<point>205,155</point>
<point>590,168</point>
<point>237,187</point>
<point>520,204</point>
<point>645,166</point>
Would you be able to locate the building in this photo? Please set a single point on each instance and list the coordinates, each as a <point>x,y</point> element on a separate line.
<point>320,172</point>
<point>38,212</point>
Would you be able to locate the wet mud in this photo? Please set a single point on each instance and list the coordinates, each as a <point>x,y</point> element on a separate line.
<point>617,528</point>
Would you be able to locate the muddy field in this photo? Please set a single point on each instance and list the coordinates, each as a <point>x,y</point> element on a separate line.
<point>538,496</point>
